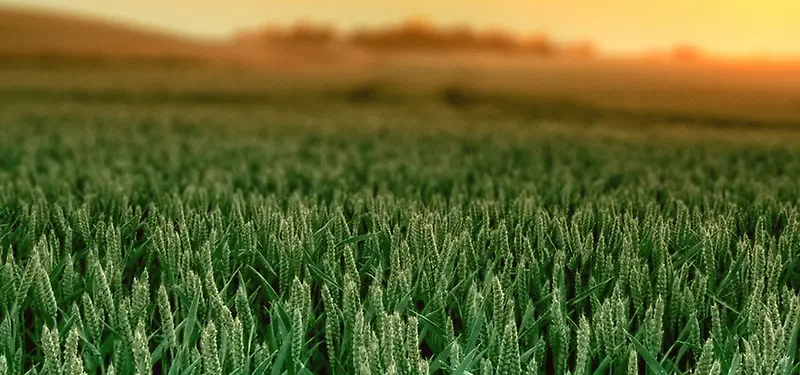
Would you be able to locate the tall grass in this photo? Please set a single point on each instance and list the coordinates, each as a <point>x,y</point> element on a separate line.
<point>130,252</point>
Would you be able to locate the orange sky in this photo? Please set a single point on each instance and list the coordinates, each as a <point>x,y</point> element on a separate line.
<point>723,26</point>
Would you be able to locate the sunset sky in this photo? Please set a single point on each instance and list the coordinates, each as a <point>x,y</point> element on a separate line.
<point>722,26</point>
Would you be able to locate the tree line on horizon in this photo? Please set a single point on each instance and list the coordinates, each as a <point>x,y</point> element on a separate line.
<point>416,34</point>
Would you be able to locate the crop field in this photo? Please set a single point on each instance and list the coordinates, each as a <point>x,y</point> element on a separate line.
<point>402,239</point>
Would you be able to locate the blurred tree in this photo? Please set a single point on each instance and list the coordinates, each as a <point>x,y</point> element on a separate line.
<point>539,44</point>
<point>462,37</point>
<point>309,33</point>
<point>419,33</point>
<point>498,40</point>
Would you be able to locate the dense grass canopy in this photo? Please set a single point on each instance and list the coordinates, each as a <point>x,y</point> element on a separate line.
<point>153,244</point>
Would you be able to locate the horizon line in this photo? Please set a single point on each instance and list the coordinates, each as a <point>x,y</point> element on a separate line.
<point>601,48</point>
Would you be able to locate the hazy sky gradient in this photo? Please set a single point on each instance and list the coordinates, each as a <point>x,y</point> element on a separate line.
<point>726,26</point>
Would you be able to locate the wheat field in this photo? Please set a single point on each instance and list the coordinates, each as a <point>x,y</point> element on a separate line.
<point>347,238</point>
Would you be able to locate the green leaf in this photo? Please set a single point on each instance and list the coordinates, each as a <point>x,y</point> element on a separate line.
<point>651,361</point>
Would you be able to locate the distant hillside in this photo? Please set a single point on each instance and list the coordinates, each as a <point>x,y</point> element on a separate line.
<point>47,39</point>
<point>41,35</point>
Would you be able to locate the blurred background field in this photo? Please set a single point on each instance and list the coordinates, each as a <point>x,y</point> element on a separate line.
<point>52,57</point>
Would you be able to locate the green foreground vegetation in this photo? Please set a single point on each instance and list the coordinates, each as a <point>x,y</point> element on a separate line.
<point>149,244</point>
